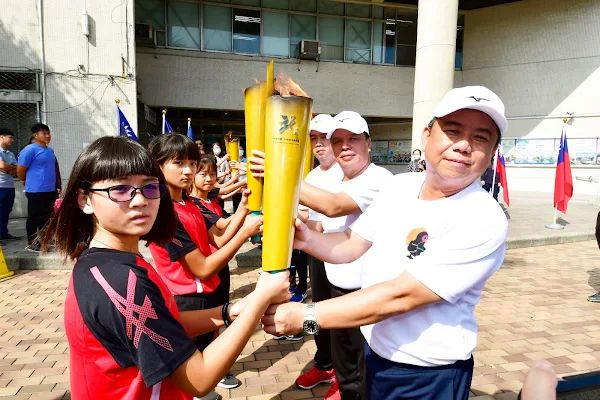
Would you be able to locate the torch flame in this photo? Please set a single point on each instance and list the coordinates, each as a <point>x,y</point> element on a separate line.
<point>287,87</point>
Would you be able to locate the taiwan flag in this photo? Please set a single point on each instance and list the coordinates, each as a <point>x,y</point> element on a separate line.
<point>563,183</point>
<point>501,169</point>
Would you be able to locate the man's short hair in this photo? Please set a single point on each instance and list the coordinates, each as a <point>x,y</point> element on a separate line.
<point>35,128</point>
<point>6,132</point>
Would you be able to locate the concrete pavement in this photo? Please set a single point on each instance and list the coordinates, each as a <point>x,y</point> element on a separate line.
<point>534,308</point>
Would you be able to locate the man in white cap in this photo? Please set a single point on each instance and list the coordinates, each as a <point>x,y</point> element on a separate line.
<point>433,240</point>
<point>343,201</point>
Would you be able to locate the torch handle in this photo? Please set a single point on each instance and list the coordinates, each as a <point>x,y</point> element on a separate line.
<point>255,239</point>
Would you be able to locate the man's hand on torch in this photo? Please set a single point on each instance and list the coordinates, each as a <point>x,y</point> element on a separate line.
<point>257,164</point>
<point>270,289</point>
<point>253,225</point>
<point>284,319</point>
<point>301,236</point>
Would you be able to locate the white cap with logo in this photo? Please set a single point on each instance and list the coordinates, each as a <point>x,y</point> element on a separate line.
<point>475,98</point>
<point>350,121</point>
<point>321,123</point>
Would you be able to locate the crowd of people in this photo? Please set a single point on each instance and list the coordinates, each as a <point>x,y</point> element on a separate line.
<point>394,279</point>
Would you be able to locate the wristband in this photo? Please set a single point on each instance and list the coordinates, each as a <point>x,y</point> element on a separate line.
<point>225,315</point>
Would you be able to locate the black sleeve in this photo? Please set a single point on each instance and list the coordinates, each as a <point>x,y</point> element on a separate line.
<point>226,214</point>
<point>213,194</point>
<point>181,244</point>
<point>143,333</point>
<point>210,218</point>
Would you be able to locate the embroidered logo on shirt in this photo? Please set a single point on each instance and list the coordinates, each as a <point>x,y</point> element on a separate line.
<point>415,242</point>
<point>177,242</point>
<point>127,307</point>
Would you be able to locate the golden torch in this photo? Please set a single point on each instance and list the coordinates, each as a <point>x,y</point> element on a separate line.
<point>255,99</point>
<point>233,149</point>
<point>287,120</point>
<point>309,159</point>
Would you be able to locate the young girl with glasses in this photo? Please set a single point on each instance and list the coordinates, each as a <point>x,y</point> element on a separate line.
<point>127,339</point>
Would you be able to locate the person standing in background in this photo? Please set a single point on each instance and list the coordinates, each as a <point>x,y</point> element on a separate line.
<point>417,163</point>
<point>8,170</point>
<point>36,168</point>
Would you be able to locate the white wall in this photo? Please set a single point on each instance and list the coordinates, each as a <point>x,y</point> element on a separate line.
<point>542,57</point>
<point>80,108</point>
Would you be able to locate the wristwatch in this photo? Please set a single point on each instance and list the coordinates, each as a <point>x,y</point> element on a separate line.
<point>310,324</point>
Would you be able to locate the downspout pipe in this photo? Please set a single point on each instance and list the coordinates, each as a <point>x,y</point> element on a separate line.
<point>43,57</point>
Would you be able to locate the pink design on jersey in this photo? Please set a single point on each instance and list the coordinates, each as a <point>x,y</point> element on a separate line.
<point>144,311</point>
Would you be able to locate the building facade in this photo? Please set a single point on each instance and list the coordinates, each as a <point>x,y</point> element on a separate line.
<point>194,58</point>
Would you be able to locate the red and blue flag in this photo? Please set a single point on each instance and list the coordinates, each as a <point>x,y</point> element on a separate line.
<point>563,183</point>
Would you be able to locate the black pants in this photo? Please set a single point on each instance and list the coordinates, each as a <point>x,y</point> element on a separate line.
<point>347,353</point>
<point>300,263</point>
<point>321,290</point>
<point>7,199</point>
<point>193,302</point>
<point>236,199</point>
<point>40,207</point>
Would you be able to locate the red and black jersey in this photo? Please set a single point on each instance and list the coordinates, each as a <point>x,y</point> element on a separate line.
<point>191,234</point>
<point>122,323</point>
<point>212,211</point>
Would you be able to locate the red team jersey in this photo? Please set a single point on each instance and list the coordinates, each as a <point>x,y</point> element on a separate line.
<point>212,211</point>
<point>123,328</point>
<point>191,234</point>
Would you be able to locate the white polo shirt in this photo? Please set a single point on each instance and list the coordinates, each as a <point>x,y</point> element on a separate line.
<point>322,179</point>
<point>452,246</point>
<point>362,190</point>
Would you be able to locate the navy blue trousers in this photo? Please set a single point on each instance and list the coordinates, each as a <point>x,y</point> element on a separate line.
<point>387,380</point>
<point>7,199</point>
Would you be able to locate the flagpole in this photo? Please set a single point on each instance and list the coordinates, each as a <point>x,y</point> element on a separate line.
<point>118,118</point>
<point>163,121</point>
<point>495,169</point>
<point>554,224</point>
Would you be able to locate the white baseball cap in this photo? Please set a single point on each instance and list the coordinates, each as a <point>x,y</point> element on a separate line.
<point>350,121</point>
<point>321,123</point>
<point>475,98</point>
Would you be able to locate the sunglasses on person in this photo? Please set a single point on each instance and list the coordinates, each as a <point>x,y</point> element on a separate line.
<point>122,193</point>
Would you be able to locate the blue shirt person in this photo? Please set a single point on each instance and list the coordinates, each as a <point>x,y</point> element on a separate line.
<point>8,170</point>
<point>37,170</point>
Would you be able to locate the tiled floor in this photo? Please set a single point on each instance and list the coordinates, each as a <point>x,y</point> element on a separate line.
<point>533,309</point>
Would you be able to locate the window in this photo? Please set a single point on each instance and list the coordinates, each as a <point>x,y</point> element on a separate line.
<point>184,25</point>
<point>150,12</point>
<point>358,10</point>
<point>254,3</point>
<point>358,41</point>
<point>276,34</point>
<point>331,35</point>
<point>460,37</point>
<point>331,7</point>
<point>384,43</point>
<point>277,4</point>
<point>217,28</point>
<point>303,5</point>
<point>246,31</point>
<point>302,27</point>
<point>406,38</point>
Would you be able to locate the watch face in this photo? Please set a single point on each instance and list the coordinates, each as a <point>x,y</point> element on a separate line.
<point>310,327</point>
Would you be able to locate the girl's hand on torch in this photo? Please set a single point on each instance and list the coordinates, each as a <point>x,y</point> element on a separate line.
<point>274,288</point>
<point>253,225</point>
<point>257,164</point>
<point>301,235</point>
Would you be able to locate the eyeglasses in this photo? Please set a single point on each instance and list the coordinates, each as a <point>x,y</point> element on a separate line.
<point>122,193</point>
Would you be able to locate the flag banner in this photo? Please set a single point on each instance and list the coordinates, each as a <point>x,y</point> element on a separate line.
<point>124,128</point>
<point>501,168</point>
<point>563,183</point>
<point>189,131</point>
<point>168,128</point>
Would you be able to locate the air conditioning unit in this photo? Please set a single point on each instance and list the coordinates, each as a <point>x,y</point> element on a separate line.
<point>144,35</point>
<point>309,50</point>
